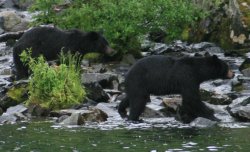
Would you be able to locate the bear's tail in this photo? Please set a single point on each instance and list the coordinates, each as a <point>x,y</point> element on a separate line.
<point>123,106</point>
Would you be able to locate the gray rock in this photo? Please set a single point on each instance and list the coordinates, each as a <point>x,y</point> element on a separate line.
<point>108,108</point>
<point>202,123</point>
<point>246,72</point>
<point>16,109</point>
<point>202,46</point>
<point>8,119</point>
<point>74,119</point>
<point>104,79</point>
<point>153,111</point>
<point>95,115</point>
<point>242,112</point>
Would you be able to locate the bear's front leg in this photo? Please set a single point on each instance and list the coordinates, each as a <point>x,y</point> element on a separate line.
<point>192,107</point>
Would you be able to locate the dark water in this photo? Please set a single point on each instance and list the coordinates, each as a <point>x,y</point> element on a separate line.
<point>40,137</point>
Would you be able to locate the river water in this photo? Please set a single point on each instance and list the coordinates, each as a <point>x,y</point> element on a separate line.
<point>41,136</point>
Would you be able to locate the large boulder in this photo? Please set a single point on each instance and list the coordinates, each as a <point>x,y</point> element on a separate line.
<point>13,22</point>
<point>228,24</point>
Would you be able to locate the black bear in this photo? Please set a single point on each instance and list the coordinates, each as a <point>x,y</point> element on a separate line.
<point>161,75</point>
<point>49,41</point>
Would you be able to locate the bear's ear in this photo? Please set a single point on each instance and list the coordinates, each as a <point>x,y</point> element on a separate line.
<point>93,36</point>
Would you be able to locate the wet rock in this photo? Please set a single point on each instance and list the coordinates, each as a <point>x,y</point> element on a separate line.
<point>172,103</point>
<point>240,108</point>
<point>14,94</point>
<point>241,113</point>
<point>216,99</point>
<point>95,115</point>
<point>8,119</point>
<point>16,109</point>
<point>74,119</point>
<point>96,93</point>
<point>202,123</point>
<point>154,109</point>
<point>202,46</point>
<point>108,108</point>
<point>14,114</point>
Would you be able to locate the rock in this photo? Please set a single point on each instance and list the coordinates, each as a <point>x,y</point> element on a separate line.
<point>245,64</point>
<point>13,22</point>
<point>153,111</point>
<point>202,46</point>
<point>202,123</point>
<point>22,4</point>
<point>105,79</point>
<point>11,19</point>
<point>240,108</point>
<point>74,119</point>
<point>172,103</point>
<point>213,98</point>
<point>13,94</point>
<point>14,114</point>
<point>8,119</point>
<point>246,72</point>
<point>62,118</point>
<point>108,108</point>
<point>227,24</point>
<point>95,115</point>
<point>95,92</point>
<point>241,113</point>
<point>16,109</point>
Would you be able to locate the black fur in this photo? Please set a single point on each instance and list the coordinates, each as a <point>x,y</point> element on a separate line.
<point>161,75</point>
<point>49,42</point>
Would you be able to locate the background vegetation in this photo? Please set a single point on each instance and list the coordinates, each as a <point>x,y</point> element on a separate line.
<point>54,87</point>
<point>123,22</point>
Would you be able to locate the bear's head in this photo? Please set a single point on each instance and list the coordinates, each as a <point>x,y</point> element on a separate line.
<point>222,69</point>
<point>97,43</point>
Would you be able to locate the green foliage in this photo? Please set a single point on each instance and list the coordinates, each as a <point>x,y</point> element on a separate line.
<point>54,87</point>
<point>124,22</point>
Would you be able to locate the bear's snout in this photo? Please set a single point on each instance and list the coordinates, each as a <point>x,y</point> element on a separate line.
<point>230,74</point>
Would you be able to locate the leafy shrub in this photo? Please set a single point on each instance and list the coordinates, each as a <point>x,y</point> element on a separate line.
<point>54,87</point>
<point>124,22</point>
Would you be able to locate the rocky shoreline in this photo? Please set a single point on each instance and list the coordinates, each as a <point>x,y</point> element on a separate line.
<point>229,98</point>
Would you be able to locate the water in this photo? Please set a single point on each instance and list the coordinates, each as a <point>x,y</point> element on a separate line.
<point>40,136</point>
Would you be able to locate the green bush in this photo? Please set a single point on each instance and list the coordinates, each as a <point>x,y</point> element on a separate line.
<point>124,22</point>
<point>54,87</point>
